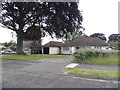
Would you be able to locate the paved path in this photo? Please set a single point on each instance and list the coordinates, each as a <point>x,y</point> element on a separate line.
<point>98,67</point>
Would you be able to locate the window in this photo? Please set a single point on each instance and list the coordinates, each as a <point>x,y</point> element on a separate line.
<point>25,49</point>
<point>77,47</point>
<point>66,48</point>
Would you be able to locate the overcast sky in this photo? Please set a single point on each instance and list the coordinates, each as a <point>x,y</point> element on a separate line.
<point>100,16</point>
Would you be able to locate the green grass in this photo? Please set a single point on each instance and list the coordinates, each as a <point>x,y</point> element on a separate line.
<point>112,60</point>
<point>31,57</point>
<point>106,74</point>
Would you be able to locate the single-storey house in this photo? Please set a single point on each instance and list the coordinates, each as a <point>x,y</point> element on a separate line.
<point>52,47</point>
<point>83,42</point>
<point>55,47</point>
<point>29,47</point>
<point>13,47</point>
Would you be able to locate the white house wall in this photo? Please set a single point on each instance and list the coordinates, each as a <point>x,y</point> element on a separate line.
<point>69,51</point>
<point>54,50</point>
<point>104,48</point>
<point>100,47</point>
<point>73,49</point>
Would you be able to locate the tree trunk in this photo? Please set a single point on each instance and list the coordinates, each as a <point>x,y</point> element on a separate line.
<point>20,43</point>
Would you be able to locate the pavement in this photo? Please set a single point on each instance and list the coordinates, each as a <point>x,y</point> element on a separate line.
<point>98,67</point>
<point>49,73</point>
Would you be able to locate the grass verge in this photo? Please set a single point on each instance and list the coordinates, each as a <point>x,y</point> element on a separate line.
<point>31,57</point>
<point>112,60</point>
<point>106,74</point>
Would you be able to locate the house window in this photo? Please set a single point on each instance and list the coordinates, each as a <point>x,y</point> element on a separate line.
<point>25,49</point>
<point>66,48</point>
<point>77,47</point>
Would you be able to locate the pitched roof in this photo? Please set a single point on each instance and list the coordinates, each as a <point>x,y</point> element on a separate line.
<point>1,43</point>
<point>12,46</point>
<point>29,44</point>
<point>53,44</point>
<point>85,40</point>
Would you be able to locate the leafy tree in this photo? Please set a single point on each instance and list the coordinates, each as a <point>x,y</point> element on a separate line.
<point>114,37</point>
<point>99,35</point>
<point>114,41</point>
<point>32,20</point>
<point>33,33</point>
<point>72,36</point>
<point>7,44</point>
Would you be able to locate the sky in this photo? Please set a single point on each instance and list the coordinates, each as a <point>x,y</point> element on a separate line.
<point>99,16</point>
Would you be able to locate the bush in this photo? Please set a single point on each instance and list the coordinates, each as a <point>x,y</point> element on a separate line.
<point>93,53</point>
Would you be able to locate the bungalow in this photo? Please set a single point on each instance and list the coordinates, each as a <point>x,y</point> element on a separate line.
<point>29,47</point>
<point>13,47</point>
<point>83,42</point>
<point>52,47</point>
<point>55,47</point>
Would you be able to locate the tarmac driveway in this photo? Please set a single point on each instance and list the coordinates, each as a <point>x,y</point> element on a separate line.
<point>54,65</point>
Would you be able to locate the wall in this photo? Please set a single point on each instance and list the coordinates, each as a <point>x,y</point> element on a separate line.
<point>27,50</point>
<point>100,47</point>
<point>104,47</point>
<point>72,50</point>
<point>66,50</point>
<point>54,50</point>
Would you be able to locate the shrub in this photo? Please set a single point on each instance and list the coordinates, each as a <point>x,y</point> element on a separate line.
<point>93,53</point>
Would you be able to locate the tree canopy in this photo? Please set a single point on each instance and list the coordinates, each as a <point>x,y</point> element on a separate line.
<point>32,20</point>
<point>114,37</point>
<point>114,41</point>
<point>72,36</point>
<point>99,35</point>
<point>7,44</point>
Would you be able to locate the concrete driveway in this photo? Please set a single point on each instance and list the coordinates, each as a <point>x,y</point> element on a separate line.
<point>46,73</point>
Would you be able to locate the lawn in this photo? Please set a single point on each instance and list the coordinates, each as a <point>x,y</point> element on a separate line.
<point>112,60</point>
<point>106,74</point>
<point>31,57</point>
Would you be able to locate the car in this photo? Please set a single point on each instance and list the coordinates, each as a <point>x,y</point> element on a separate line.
<point>8,52</point>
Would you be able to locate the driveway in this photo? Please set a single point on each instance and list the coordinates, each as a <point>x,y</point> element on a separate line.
<point>46,73</point>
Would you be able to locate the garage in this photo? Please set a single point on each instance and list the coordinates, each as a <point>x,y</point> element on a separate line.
<point>46,50</point>
<point>52,47</point>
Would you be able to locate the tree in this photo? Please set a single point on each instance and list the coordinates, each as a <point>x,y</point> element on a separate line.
<point>72,36</point>
<point>99,35</point>
<point>114,41</point>
<point>7,44</point>
<point>50,18</point>
<point>33,33</point>
<point>114,37</point>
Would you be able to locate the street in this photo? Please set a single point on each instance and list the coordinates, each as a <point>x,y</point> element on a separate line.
<point>47,73</point>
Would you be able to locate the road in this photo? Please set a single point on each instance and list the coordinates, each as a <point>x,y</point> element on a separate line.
<point>46,73</point>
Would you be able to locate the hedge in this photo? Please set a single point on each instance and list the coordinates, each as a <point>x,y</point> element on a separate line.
<point>93,53</point>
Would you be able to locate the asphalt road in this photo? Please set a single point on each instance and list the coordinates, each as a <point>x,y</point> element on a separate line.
<point>46,74</point>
